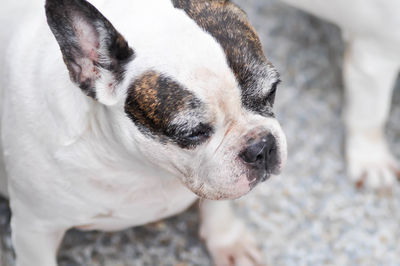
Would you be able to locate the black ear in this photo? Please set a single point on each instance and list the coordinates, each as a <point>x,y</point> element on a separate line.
<point>93,50</point>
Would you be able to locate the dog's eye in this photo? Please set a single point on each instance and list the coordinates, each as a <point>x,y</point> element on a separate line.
<point>272,93</point>
<point>195,136</point>
<point>200,133</point>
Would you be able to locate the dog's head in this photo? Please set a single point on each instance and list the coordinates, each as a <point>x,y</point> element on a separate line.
<point>192,92</point>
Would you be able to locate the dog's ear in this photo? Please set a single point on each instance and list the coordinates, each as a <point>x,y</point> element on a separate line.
<point>93,50</point>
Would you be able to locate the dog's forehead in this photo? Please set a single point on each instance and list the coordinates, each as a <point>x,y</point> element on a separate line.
<point>230,27</point>
<point>228,24</point>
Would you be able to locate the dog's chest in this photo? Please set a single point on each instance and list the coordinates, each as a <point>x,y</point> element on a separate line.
<point>118,200</point>
<point>118,206</point>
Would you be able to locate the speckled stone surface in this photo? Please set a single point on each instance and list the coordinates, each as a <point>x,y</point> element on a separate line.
<point>311,215</point>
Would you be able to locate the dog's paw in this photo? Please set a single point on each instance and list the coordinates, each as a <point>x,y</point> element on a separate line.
<point>370,163</point>
<point>232,245</point>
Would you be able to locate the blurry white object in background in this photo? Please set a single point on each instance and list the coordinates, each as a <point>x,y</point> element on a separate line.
<point>371,65</point>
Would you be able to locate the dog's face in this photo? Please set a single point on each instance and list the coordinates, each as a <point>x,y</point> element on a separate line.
<point>203,111</point>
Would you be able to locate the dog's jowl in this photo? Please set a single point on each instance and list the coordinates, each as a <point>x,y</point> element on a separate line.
<point>122,117</point>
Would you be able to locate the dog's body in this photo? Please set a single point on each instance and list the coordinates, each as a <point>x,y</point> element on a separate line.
<point>72,137</point>
<point>371,66</point>
<point>185,107</point>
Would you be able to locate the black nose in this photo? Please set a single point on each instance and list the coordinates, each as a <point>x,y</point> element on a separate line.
<point>261,153</point>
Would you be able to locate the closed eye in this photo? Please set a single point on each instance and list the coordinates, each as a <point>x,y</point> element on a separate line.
<point>272,93</point>
<point>199,134</point>
<point>195,136</point>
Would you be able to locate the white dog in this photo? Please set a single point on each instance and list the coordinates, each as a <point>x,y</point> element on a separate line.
<point>371,65</point>
<point>171,101</point>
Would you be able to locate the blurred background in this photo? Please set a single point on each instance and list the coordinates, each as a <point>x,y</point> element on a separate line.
<point>311,214</point>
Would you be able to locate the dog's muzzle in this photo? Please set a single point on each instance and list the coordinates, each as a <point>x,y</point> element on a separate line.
<point>261,156</point>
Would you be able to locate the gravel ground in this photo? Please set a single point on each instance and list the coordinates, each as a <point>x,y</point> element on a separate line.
<point>311,215</point>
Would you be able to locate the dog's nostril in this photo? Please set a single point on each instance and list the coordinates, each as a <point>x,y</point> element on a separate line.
<point>261,156</point>
<point>257,154</point>
<point>271,151</point>
<point>253,153</point>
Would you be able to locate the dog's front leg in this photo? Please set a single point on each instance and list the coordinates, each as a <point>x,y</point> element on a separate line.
<point>369,73</point>
<point>34,244</point>
<point>226,237</point>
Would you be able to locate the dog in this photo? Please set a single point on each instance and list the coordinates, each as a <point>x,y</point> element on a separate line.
<point>122,117</point>
<point>371,66</point>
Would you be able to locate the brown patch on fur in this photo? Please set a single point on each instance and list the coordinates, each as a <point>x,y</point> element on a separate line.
<point>154,100</point>
<point>229,25</point>
<point>145,90</point>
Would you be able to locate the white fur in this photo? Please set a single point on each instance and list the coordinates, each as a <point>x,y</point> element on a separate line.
<point>226,237</point>
<point>74,162</point>
<point>371,65</point>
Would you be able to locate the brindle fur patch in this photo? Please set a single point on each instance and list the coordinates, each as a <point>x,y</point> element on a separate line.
<point>154,100</point>
<point>229,25</point>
